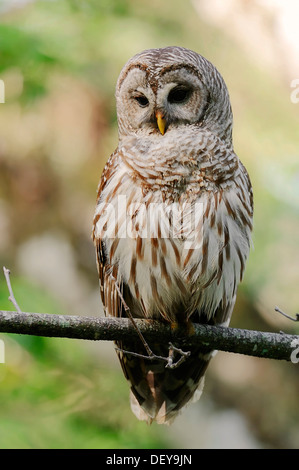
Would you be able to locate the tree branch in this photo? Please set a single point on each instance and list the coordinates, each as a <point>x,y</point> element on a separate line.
<point>248,342</point>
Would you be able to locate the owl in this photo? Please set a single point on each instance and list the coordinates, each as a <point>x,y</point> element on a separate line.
<point>173,218</point>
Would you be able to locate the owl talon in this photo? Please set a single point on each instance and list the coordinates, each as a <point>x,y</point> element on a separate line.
<point>174,326</point>
<point>190,328</point>
<point>187,327</point>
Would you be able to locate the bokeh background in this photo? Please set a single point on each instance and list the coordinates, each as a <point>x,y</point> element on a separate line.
<point>60,61</point>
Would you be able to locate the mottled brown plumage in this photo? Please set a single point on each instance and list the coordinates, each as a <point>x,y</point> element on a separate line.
<point>173,217</point>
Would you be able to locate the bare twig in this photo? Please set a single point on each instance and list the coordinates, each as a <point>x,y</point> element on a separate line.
<point>128,313</point>
<point>151,355</point>
<point>184,354</point>
<point>11,297</point>
<point>169,360</point>
<point>277,309</point>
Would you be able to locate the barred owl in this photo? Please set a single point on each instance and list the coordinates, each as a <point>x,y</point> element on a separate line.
<point>173,219</point>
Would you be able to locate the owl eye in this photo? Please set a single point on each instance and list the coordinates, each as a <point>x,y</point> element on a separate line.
<point>179,94</point>
<point>141,100</point>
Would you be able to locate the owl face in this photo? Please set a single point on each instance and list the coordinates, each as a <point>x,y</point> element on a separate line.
<point>161,89</point>
<point>177,98</point>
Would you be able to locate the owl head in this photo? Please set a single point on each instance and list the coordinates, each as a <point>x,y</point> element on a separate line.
<point>162,89</point>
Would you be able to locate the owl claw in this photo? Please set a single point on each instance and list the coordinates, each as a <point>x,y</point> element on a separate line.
<point>174,326</point>
<point>187,326</point>
<point>190,328</point>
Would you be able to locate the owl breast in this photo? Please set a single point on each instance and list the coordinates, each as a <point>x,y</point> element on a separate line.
<point>174,231</point>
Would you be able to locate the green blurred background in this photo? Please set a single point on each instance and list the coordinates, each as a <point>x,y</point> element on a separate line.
<point>60,61</point>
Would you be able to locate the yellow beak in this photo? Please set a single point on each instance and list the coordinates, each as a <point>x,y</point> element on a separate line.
<point>161,121</point>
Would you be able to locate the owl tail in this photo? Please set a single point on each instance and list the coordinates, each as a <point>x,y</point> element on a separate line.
<point>159,393</point>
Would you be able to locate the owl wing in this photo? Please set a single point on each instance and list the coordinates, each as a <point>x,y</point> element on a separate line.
<point>107,273</point>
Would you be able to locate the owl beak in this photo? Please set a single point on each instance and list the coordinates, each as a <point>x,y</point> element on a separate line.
<point>161,122</point>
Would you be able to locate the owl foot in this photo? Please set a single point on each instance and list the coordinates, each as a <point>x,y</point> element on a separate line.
<point>187,327</point>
